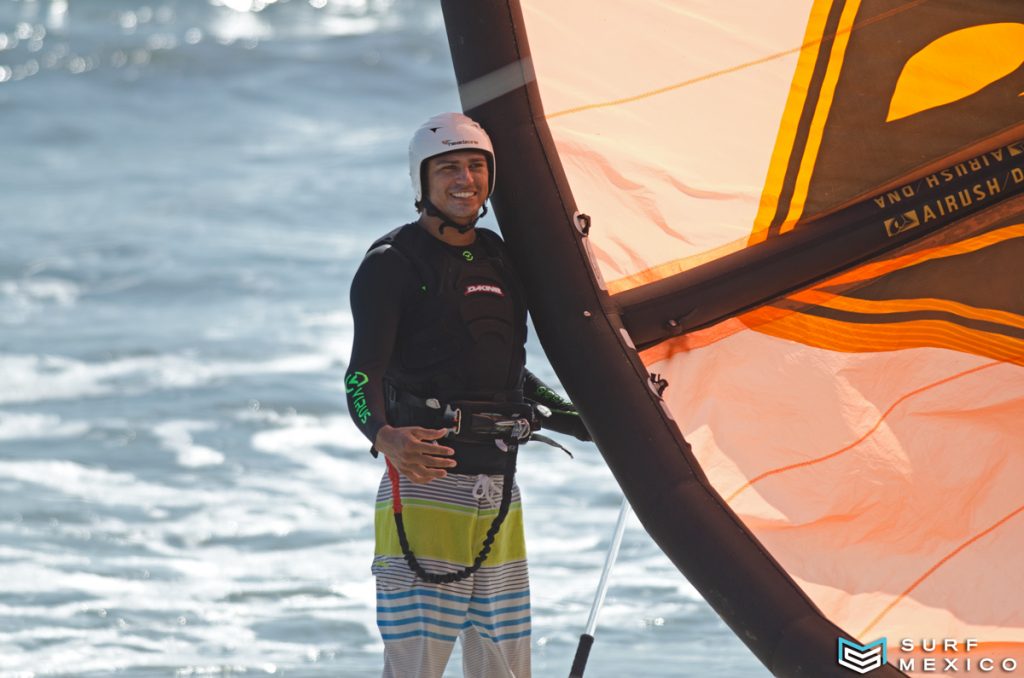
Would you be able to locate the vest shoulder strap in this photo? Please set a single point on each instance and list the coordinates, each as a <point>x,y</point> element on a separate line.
<point>400,240</point>
<point>397,241</point>
<point>491,242</point>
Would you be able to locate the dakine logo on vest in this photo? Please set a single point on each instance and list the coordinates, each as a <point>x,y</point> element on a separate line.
<point>484,289</point>
<point>929,655</point>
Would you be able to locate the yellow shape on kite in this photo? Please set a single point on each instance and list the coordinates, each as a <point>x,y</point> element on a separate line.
<point>956,66</point>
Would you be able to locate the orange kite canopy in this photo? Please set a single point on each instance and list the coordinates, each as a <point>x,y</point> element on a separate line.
<point>792,315</point>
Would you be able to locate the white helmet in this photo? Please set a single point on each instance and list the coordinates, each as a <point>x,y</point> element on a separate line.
<point>444,133</point>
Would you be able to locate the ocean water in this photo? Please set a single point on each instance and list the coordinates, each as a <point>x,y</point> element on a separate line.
<point>186,187</point>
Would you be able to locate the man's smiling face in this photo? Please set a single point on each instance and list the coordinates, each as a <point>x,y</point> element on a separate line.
<point>458,184</point>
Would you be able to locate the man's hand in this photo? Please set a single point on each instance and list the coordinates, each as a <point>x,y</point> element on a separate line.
<point>412,450</point>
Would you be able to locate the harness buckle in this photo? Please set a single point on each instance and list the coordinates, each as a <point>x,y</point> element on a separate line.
<point>517,429</point>
<point>453,419</point>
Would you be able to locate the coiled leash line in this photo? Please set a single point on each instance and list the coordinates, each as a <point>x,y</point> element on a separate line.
<point>507,433</point>
<point>492,531</point>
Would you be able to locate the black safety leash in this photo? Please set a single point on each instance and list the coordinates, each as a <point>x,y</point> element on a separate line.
<point>505,432</point>
<point>492,531</point>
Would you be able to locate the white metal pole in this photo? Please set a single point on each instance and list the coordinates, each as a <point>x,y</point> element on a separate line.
<point>579,663</point>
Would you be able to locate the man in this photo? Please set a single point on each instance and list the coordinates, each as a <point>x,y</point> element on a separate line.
<point>437,382</point>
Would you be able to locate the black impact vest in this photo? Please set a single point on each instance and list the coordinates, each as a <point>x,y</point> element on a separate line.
<point>463,336</point>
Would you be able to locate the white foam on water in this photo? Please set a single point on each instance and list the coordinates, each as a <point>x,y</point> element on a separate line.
<point>40,290</point>
<point>20,299</point>
<point>117,650</point>
<point>223,670</point>
<point>107,488</point>
<point>322,502</point>
<point>330,334</point>
<point>240,25</point>
<point>25,578</point>
<point>176,436</point>
<point>243,5</point>
<point>12,558</point>
<point>34,426</point>
<point>318,19</point>
<point>31,378</point>
<point>363,596</point>
<point>38,378</point>
<point>213,605</point>
<point>174,371</point>
<point>301,439</point>
<point>298,434</point>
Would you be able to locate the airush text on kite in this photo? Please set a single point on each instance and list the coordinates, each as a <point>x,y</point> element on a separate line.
<point>955,190</point>
<point>949,203</point>
<point>957,171</point>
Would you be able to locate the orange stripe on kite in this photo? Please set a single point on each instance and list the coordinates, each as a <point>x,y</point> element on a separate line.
<point>874,306</point>
<point>786,136</point>
<point>863,273</point>
<point>832,455</point>
<point>930,571</point>
<point>821,112</point>
<point>849,337</point>
<point>795,326</point>
<point>880,268</point>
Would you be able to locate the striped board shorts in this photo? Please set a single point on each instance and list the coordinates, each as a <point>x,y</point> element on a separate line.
<point>446,521</point>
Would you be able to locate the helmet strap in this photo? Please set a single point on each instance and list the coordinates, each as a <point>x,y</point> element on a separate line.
<point>446,221</point>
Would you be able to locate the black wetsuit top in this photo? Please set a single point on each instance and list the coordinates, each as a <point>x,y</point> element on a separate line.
<point>436,321</point>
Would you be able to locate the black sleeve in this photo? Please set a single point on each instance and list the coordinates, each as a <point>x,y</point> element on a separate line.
<point>380,289</point>
<point>564,417</point>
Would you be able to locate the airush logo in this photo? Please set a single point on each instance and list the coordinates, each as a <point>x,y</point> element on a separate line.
<point>862,658</point>
<point>354,389</point>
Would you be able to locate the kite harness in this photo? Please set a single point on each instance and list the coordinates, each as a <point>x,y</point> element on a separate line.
<point>503,425</point>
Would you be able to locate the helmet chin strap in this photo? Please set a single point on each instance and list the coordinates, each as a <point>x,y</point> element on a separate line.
<point>446,221</point>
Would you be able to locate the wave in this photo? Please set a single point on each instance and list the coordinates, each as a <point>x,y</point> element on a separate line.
<point>80,37</point>
<point>20,299</point>
<point>176,436</point>
<point>35,378</point>
<point>33,426</point>
<point>99,486</point>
